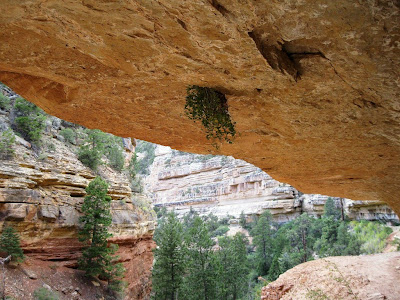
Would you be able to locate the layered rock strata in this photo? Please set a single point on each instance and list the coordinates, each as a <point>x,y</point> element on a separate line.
<point>312,86</point>
<point>42,199</point>
<point>227,186</point>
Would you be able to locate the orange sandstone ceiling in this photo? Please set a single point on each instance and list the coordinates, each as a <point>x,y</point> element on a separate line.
<point>312,85</point>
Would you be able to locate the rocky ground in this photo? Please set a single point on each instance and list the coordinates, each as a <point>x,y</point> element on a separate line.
<point>370,277</point>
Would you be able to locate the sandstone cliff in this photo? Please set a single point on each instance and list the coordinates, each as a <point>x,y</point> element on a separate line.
<point>41,196</point>
<point>312,86</point>
<point>370,277</point>
<point>227,186</point>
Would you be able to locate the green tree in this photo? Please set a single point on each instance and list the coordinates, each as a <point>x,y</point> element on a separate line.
<point>69,135</point>
<point>300,238</point>
<point>30,120</point>
<point>10,244</point>
<point>97,258</point>
<point>330,209</point>
<point>242,219</point>
<point>169,257</point>
<point>233,272</point>
<point>7,141</point>
<point>200,281</point>
<point>262,239</point>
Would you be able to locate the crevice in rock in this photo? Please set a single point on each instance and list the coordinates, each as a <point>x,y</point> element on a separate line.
<point>183,24</point>
<point>219,7</point>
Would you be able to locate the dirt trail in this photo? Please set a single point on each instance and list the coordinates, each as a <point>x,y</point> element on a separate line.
<point>370,277</point>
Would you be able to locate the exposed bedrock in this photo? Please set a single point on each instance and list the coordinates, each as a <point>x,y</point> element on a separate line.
<point>313,86</point>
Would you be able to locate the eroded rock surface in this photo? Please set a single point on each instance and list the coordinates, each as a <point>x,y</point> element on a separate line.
<point>42,198</point>
<point>312,86</point>
<point>372,277</point>
<point>226,186</point>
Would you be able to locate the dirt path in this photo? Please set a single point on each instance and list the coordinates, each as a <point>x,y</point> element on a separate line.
<point>370,277</point>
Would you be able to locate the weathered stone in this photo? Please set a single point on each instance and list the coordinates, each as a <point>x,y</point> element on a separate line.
<point>225,186</point>
<point>15,211</point>
<point>48,212</point>
<point>313,87</point>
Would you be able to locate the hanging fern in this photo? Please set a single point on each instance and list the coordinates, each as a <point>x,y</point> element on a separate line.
<point>211,108</point>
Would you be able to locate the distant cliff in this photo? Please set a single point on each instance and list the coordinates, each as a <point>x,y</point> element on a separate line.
<point>224,185</point>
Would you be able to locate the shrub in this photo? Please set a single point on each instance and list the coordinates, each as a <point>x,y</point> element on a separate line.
<point>4,102</point>
<point>142,165</point>
<point>69,135</point>
<point>210,107</point>
<point>45,294</point>
<point>9,243</point>
<point>116,158</point>
<point>221,230</point>
<point>51,147</point>
<point>7,140</point>
<point>89,157</point>
<point>30,122</point>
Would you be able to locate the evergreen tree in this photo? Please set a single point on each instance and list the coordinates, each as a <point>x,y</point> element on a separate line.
<point>233,272</point>
<point>10,244</point>
<point>330,209</point>
<point>169,259</point>
<point>200,281</point>
<point>262,239</point>
<point>242,219</point>
<point>97,258</point>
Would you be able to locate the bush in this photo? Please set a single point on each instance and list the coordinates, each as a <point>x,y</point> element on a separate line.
<point>4,102</point>
<point>116,158</point>
<point>7,140</point>
<point>211,108</point>
<point>69,135</point>
<point>45,294</point>
<point>221,230</point>
<point>89,157</point>
<point>30,122</point>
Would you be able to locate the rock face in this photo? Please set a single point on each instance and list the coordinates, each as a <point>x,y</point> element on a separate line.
<point>227,186</point>
<point>313,87</point>
<point>372,277</point>
<point>42,199</point>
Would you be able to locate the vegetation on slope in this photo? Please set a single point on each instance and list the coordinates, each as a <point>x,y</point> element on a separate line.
<point>209,265</point>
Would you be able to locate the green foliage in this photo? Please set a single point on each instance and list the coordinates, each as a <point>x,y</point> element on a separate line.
<point>242,219</point>
<point>97,144</point>
<point>221,230</point>
<point>30,121</point>
<point>89,157</point>
<point>199,283</point>
<point>116,158</point>
<point>330,209</point>
<point>4,102</point>
<point>210,107</point>
<point>262,239</point>
<point>51,147</point>
<point>10,244</point>
<point>169,257</point>
<point>371,235</point>
<point>69,135</point>
<point>97,258</point>
<point>232,267</point>
<point>7,141</point>
<point>142,165</point>
<point>45,294</point>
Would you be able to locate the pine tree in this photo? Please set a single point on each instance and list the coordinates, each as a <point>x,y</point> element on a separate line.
<point>330,209</point>
<point>242,220</point>
<point>10,243</point>
<point>97,258</point>
<point>200,282</point>
<point>169,259</point>
<point>262,239</point>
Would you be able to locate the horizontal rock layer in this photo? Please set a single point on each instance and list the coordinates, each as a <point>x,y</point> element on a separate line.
<point>227,186</point>
<point>42,199</point>
<point>313,87</point>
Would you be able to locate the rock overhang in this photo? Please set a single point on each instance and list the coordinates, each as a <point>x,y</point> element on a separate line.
<point>312,87</point>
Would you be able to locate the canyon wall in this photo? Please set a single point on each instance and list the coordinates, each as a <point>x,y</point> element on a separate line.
<point>41,196</point>
<point>226,186</point>
<point>312,86</point>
